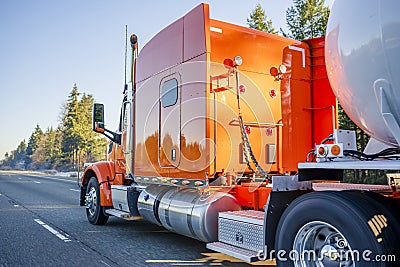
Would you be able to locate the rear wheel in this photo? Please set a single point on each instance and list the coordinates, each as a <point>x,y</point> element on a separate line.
<point>336,229</point>
<point>94,212</point>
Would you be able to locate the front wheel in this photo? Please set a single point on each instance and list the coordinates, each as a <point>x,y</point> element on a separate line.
<point>337,229</point>
<point>94,212</point>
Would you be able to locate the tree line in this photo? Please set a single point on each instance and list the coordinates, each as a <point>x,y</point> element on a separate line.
<point>64,148</point>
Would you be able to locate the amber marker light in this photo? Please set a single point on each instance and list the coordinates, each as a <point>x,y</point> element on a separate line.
<point>335,150</point>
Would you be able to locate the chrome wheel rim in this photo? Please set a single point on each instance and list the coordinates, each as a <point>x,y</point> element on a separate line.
<point>91,198</point>
<point>322,245</point>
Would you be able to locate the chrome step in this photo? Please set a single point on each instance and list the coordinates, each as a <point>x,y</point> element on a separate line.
<point>239,253</point>
<point>122,214</point>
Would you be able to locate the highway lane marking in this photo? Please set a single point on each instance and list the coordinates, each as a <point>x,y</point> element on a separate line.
<point>105,263</point>
<point>53,231</point>
<point>57,179</point>
<point>39,207</point>
<point>214,259</point>
<point>188,264</point>
<point>75,190</point>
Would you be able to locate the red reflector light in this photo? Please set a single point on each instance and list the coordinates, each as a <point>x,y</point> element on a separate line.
<point>273,93</point>
<point>322,151</point>
<point>242,89</point>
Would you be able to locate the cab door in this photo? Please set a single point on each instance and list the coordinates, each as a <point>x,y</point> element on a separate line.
<point>169,152</point>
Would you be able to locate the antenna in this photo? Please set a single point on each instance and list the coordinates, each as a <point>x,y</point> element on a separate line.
<point>126,52</point>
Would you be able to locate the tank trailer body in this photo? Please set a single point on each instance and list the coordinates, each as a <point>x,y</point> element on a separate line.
<point>229,135</point>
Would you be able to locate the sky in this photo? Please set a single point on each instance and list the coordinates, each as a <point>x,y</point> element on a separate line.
<point>47,46</point>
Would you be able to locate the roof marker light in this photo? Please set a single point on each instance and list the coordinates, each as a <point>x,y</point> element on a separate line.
<point>282,69</point>
<point>238,60</point>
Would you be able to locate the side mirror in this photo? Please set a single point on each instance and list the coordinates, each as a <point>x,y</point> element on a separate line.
<point>98,124</point>
<point>98,118</point>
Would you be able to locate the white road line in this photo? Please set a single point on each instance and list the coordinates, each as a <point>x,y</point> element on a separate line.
<point>75,190</point>
<point>53,231</point>
<point>37,182</point>
<point>59,179</point>
<point>16,205</point>
<point>53,178</point>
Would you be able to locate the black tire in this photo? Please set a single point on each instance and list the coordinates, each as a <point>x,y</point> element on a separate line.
<point>361,227</point>
<point>94,212</point>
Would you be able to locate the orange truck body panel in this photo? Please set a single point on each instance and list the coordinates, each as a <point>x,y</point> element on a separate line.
<point>252,195</point>
<point>198,135</point>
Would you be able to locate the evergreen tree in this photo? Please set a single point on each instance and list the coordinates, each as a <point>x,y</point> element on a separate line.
<point>34,140</point>
<point>258,20</point>
<point>33,143</point>
<point>306,19</point>
<point>72,143</point>
<point>79,142</point>
<point>16,158</point>
<point>70,120</point>
<point>48,151</point>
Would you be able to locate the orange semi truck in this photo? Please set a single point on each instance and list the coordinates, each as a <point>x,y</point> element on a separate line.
<point>229,135</point>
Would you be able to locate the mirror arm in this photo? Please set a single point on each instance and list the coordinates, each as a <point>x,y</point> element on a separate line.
<point>113,136</point>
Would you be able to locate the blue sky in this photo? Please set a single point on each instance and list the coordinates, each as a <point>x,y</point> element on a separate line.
<point>46,46</point>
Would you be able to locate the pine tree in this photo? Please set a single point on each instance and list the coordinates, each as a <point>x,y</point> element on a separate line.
<point>16,159</point>
<point>306,19</point>
<point>79,142</point>
<point>34,140</point>
<point>71,137</point>
<point>258,20</point>
<point>33,143</point>
<point>72,143</point>
<point>92,145</point>
<point>48,152</point>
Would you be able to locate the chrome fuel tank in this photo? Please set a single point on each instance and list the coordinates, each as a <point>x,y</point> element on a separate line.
<point>187,211</point>
<point>149,200</point>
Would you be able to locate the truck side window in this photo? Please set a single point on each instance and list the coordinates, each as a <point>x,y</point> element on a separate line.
<point>169,93</point>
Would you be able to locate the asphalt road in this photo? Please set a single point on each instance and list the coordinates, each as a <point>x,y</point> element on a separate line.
<point>42,224</point>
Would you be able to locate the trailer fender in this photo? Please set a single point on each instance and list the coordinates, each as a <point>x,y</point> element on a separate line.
<point>104,173</point>
<point>285,190</point>
<point>276,205</point>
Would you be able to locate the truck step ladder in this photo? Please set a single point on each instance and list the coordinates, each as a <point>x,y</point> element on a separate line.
<point>240,234</point>
<point>239,253</point>
<point>121,214</point>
